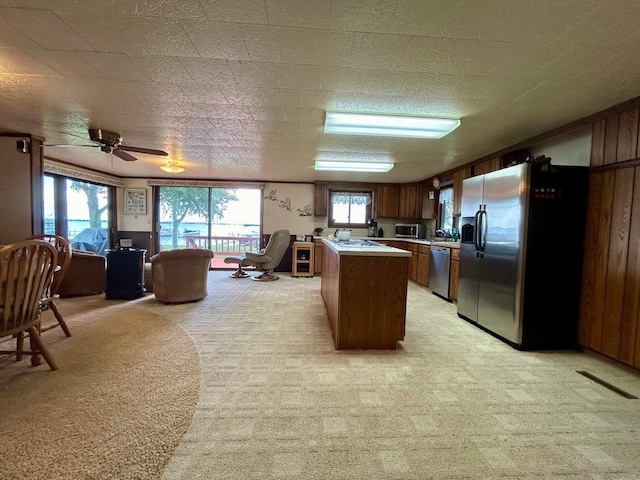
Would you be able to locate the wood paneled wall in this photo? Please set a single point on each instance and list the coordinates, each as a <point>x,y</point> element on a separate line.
<point>610,309</point>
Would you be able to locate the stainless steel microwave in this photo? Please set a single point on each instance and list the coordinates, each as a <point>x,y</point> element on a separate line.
<point>410,230</point>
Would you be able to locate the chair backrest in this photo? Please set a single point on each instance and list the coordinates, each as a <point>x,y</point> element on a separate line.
<point>26,270</point>
<point>276,248</point>
<point>61,244</point>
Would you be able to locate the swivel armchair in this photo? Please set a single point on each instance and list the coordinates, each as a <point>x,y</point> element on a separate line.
<point>181,275</point>
<point>265,260</point>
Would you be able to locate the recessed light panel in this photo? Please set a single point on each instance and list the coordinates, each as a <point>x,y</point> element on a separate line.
<point>388,125</point>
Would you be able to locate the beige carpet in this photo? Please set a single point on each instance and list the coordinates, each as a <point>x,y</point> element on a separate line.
<point>278,401</point>
<point>124,395</point>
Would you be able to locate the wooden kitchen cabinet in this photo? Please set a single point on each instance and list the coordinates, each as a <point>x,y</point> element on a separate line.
<point>454,273</point>
<point>458,177</point>
<point>317,256</point>
<point>409,202</point>
<point>422,265</point>
<point>387,201</point>
<point>321,199</point>
<point>413,261</point>
<point>487,166</point>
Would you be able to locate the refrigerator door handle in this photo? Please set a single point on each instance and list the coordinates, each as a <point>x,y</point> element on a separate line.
<point>476,233</point>
<point>485,227</point>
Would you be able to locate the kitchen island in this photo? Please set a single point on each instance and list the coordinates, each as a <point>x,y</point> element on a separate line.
<point>364,287</point>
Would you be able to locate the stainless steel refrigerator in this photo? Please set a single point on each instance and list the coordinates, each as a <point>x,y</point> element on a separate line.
<point>522,231</point>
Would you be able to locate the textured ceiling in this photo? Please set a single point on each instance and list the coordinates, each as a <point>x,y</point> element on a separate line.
<point>238,89</point>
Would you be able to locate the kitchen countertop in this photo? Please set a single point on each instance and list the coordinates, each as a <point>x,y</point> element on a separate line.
<point>365,250</point>
<point>419,241</point>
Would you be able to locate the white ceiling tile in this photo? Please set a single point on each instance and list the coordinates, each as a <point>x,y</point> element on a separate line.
<point>322,47</point>
<point>362,15</point>
<point>378,51</point>
<point>519,21</point>
<point>114,65</point>
<point>203,93</point>
<point>255,74</point>
<point>299,13</point>
<point>132,34</point>
<point>162,68</point>
<point>68,64</point>
<point>246,83</point>
<point>272,44</point>
<point>453,55</point>
<point>44,28</point>
<point>245,11</point>
<point>262,96</point>
<point>12,38</point>
<point>205,71</point>
<point>217,40</point>
<point>267,114</point>
<point>13,61</point>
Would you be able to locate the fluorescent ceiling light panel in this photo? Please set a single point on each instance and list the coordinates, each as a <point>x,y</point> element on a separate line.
<point>388,125</point>
<point>353,166</point>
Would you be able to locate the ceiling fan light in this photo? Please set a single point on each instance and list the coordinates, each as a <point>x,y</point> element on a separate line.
<point>388,125</point>
<point>172,167</point>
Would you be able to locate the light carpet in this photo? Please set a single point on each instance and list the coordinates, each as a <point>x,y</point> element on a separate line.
<point>125,392</point>
<point>452,402</point>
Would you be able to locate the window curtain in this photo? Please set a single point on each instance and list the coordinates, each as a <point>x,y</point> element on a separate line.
<point>446,195</point>
<point>353,198</point>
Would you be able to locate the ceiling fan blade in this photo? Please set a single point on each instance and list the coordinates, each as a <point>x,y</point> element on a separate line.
<point>118,152</point>
<point>150,151</point>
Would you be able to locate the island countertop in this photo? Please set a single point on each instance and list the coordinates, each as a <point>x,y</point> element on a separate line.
<point>357,248</point>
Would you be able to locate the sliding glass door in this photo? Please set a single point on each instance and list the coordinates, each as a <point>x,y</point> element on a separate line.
<point>225,220</point>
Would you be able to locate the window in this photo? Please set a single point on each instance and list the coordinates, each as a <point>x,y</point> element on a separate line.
<point>349,209</point>
<point>446,209</point>
<point>79,211</point>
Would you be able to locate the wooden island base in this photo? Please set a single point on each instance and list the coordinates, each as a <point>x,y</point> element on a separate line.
<point>366,296</point>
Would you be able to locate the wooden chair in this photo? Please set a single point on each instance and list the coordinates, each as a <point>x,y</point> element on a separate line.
<point>26,271</point>
<point>51,294</point>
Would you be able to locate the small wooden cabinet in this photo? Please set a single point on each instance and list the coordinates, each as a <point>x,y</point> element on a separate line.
<point>302,259</point>
<point>454,273</point>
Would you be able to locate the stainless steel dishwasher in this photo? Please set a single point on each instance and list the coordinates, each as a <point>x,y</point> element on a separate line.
<point>439,266</point>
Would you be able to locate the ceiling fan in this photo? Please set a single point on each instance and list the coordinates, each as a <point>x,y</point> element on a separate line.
<point>110,142</point>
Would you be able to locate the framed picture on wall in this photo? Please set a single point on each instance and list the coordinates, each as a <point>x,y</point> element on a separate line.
<point>135,201</point>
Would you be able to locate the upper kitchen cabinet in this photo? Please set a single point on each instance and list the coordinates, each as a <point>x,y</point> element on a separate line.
<point>429,199</point>
<point>487,166</point>
<point>458,177</point>
<point>321,199</point>
<point>409,202</point>
<point>387,201</point>
<point>615,138</point>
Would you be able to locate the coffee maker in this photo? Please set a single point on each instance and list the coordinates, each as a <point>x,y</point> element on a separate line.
<point>373,228</point>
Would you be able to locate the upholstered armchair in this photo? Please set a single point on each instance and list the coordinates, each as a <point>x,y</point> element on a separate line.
<point>180,275</point>
<point>265,260</point>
